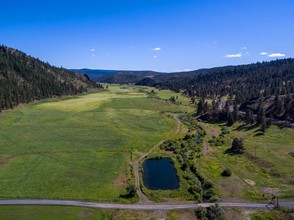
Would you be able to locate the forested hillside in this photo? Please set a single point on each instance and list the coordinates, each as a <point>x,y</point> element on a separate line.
<point>24,79</point>
<point>273,82</point>
<point>244,81</point>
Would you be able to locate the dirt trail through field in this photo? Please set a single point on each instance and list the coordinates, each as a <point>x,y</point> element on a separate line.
<point>206,148</point>
<point>142,198</point>
<point>213,132</point>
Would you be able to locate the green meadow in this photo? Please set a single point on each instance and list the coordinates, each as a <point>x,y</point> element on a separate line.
<point>264,169</point>
<point>30,212</point>
<point>79,147</point>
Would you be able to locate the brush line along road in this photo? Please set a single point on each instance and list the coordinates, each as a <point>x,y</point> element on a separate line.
<point>137,206</point>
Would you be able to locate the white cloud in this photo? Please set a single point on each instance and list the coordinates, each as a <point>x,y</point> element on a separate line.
<point>156,49</point>
<point>238,55</point>
<point>93,52</point>
<point>263,53</point>
<point>244,48</point>
<point>155,57</point>
<point>276,55</point>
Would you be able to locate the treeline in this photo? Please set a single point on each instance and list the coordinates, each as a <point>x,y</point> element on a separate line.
<point>24,79</point>
<point>262,112</point>
<point>271,81</point>
<point>243,81</point>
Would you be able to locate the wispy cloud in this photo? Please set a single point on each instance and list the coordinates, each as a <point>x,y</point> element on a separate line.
<point>93,52</point>
<point>155,57</point>
<point>244,48</point>
<point>238,55</point>
<point>156,49</point>
<point>276,55</point>
<point>263,53</point>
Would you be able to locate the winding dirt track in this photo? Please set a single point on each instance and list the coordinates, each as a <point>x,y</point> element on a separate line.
<point>142,198</point>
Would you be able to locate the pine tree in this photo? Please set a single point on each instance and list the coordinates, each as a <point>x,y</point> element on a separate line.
<point>261,115</point>
<point>206,107</point>
<point>200,107</point>
<point>236,112</point>
<point>230,120</point>
<point>215,110</point>
<point>263,124</point>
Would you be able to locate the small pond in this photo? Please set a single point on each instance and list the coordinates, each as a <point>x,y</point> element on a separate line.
<point>160,174</point>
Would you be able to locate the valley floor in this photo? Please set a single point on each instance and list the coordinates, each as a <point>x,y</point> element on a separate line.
<point>84,148</point>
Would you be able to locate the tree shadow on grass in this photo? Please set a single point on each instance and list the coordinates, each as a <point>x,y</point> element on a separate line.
<point>259,133</point>
<point>232,152</point>
<point>245,127</point>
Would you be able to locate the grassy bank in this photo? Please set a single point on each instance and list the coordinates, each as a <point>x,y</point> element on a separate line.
<point>265,168</point>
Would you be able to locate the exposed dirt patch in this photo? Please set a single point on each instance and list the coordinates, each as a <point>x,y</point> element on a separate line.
<point>264,164</point>
<point>290,180</point>
<point>259,162</point>
<point>213,132</point>
<point>234,213</point>
<point>231,187</point>
<point>186,214</point>
<point>7,161</point>
<point>206,148</point>
<point>121,180</point>
<point>158,214</point>
<point>250,182</point>
<point>130,215</point>
<point>269,190</point>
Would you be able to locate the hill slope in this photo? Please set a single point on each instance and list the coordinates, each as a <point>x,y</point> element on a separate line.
<point>246,81</point>
<point>244,84</point>
<point>24,79</point>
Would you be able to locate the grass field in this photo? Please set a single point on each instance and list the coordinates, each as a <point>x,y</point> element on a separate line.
<point>166,94</point>
<point>30,212</point>
<point>265,168</point>
<point>79,147</point>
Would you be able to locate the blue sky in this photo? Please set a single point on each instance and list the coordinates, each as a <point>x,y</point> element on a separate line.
<point>162,35</point>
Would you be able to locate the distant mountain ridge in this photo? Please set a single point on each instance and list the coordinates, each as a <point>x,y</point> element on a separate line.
<point>24,79</point>
<point>94,73</point>
<point>132,76</point>
<point>117,76</point>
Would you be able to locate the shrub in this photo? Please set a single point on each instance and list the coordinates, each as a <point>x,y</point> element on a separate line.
<point>201,212</point>
<point>131,191</point>
<point>217,141</point>
<point>237,146</point>
<point>224,131</point>
<point>209,193</point>
<point>215,213</point>
<point>207,185</point>
<point>212,213</point>
<point>213,199</point>
<point>227,172</point>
